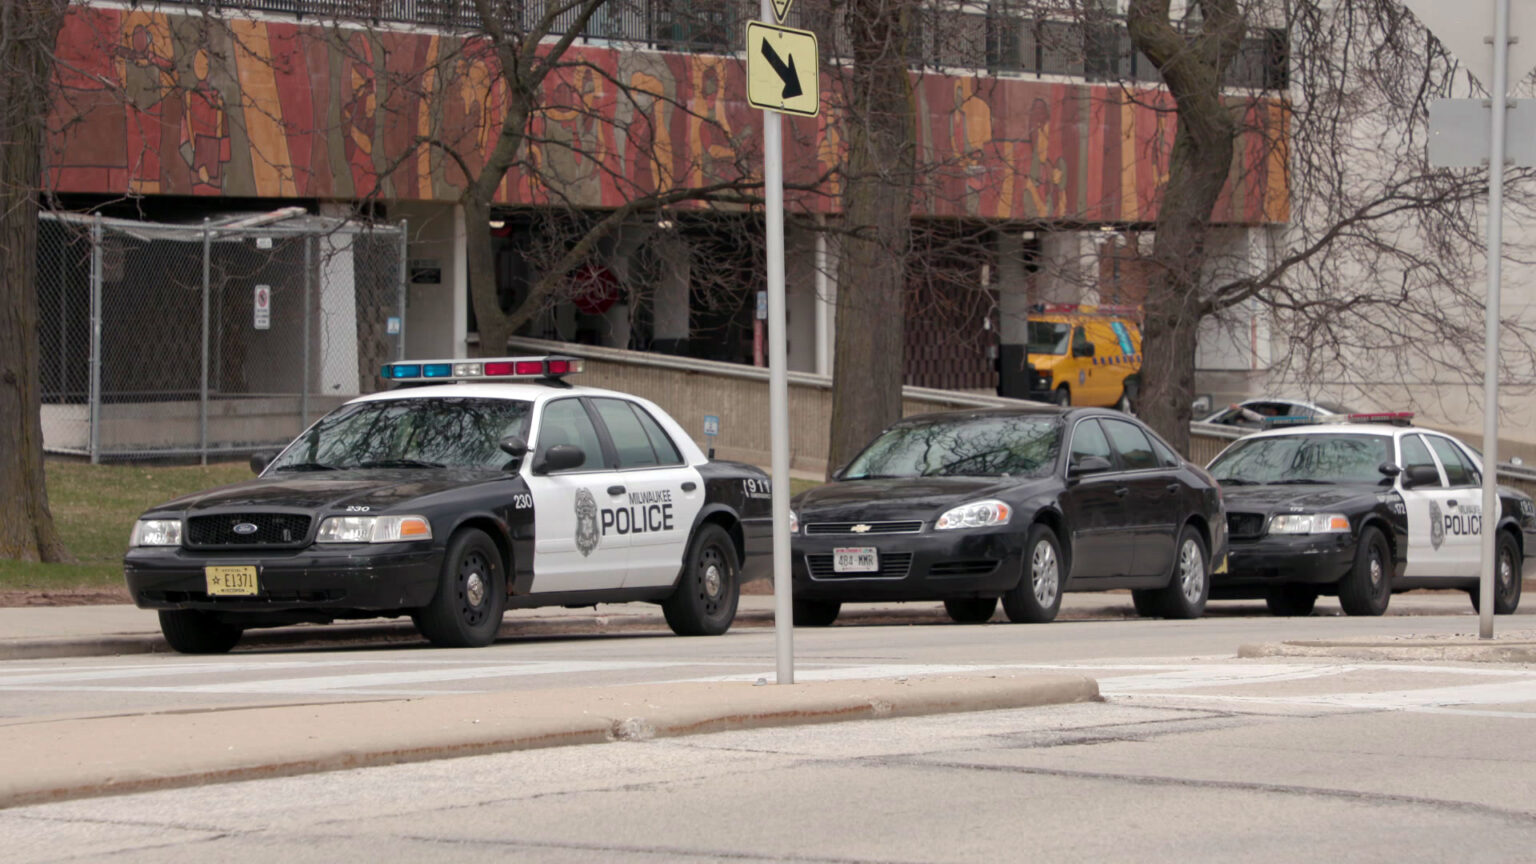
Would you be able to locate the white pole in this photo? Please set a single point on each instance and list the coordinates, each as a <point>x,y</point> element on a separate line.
<point>778,385</point>
<point>823,301</point>
<point>1491,319</point>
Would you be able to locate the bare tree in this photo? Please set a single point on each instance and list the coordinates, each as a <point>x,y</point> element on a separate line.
<point>28,29</point>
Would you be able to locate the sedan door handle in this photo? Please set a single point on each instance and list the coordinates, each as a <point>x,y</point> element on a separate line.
<point>615,490</point>
<point>1121,491</point>
<point>690,486</point>
<point>1451,503</point>
<point>1173,487</point>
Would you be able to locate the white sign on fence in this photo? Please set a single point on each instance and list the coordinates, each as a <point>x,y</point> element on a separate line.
<point>263,307</point>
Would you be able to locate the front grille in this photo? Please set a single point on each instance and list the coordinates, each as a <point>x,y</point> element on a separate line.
<point>272,529</point>
<point>893,565</point>
<point>911,527</point>
<point>962,568</point>
<point>1245,526</point>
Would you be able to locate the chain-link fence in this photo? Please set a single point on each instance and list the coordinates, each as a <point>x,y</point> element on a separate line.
<point>176,341</point>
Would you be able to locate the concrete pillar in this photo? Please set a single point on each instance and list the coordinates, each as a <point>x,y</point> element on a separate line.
<point>338,309</point>
<point>459,284</point>
<point>1064,275</point>
<point>826,297</point>
<point>1013,314</point>
<point>436,305</point>
<point>670,306</point>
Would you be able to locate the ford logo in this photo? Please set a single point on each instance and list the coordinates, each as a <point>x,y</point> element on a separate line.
<point>245,528</point>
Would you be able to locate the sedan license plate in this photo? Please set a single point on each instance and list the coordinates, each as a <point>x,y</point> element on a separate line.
<point>231,581</point>
<point>855,559</point>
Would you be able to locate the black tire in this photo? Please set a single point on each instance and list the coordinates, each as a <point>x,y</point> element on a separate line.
<point>1291,601</point>
<point>471,594</point>
<point>1507,580</point>
<point>191,631</point>
<point>1148,602</point>
<point>816,613</point>
<point>1367,588</point>
<point>971,610</point>
<point>1037,597</point>
<point>1062,396</point>
<point>1189,585</point>
<point>704,602</point>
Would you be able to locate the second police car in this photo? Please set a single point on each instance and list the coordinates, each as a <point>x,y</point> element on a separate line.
<point>470,488</point>
<point>1362,509</point>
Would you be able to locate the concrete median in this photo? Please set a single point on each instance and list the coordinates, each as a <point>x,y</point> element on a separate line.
<point>77,758</point>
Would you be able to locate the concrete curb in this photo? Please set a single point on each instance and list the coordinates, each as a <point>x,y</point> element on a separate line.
<point>1464,649</point>
<point>82,758</point>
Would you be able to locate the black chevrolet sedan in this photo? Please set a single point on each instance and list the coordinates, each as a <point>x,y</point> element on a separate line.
<point>1020,504</point>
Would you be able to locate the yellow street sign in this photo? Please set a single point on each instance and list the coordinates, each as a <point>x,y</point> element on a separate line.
<point>781,9</point>
<point>783,69</point>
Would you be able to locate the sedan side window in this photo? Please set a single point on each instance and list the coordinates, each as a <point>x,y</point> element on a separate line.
<point>565,421</point>
<point>628,435</point>
<point>1132,444</point>
<point>1415,454</point>
<point>1088,440</point>
<point>1458,471</point>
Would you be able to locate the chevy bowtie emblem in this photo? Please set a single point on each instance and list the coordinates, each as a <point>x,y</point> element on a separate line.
<point>859,529</point>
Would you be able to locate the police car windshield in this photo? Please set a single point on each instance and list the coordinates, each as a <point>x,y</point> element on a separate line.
<point>969,447</point>
<point>1046,337</point>
<point>410,433</point>
<point>1303,459</point>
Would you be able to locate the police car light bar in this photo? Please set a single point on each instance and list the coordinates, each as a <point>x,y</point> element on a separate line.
<point>1396,418</point>
<point>475,370</point>
<point>1290,420</point>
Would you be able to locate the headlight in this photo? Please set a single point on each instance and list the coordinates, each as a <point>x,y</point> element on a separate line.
<point>977,514</point>
<point>794,523</point>
<point>374,529</point>
<point>1309,523</point>
<point>156,532</point>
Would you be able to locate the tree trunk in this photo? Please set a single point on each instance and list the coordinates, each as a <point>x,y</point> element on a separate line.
<point>1201,160</point>
<point>877,206</point>
<point>28,31</point>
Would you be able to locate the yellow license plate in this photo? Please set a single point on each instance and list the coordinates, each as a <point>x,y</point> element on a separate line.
<point>231,581</point>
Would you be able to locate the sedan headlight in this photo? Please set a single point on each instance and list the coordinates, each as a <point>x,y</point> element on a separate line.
<point>156,532</point>
<point>794,523</point>
<point>374,529</point>
<point>978,514</point>
<point>1309,523</point>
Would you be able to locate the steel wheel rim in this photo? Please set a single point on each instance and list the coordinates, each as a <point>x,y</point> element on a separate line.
<point>1044,574</point>
<point>1377,571</point>
<point>473,588</point>
<point>1507,572</point>
<point>1191,571</point>
<point>713,573</point>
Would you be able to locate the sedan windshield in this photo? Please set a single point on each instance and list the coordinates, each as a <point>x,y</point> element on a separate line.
<point>1305,459</point>
<point>409,433</point>
<point>969,447</point>
<point>1046,337</point>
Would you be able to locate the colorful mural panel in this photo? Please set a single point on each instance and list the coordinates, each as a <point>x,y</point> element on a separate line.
<point>158,103</point>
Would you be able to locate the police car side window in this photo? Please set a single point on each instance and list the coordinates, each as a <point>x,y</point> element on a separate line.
<point>1458,472</point>
<point>666,451</point>
<point>1415,454</point>
<point>1088,440</point>
<point>565,421</point>
<point>1132,445</point>
<point>629,437</point>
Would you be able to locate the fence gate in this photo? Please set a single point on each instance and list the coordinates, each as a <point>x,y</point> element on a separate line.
<point>173,341</point>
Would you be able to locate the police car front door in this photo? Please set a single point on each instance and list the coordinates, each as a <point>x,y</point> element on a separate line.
<point>660,498</point>
<point>1433,506</point>
<point>572,550</point>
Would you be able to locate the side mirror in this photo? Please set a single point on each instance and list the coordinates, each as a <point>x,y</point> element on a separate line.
<point>516,447</point>
<point>560,457</point>
<point>1388,469</point>
<point>260,461</point>
<point>1083,350</point>
<point>1421,475</point>
<point>1088,465</point>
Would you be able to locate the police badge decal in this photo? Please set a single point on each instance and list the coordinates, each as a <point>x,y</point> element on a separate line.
<point>586,522</point>
<point>1436,525</point>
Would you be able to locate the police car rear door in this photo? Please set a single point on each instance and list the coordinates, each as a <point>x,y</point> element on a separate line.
<point>661,493</point>
<point>1463,516</point>
<point>572,552</point>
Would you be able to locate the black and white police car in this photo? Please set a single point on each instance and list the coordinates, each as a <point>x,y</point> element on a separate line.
<point>1359,510</point>
<point>471,487</point>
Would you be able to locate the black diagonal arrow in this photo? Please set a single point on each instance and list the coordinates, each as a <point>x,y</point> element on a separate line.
<point>785,71</point>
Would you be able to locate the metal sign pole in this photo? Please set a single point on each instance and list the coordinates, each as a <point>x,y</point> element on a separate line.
<point>1491,321</point>
<point>778,387</point>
